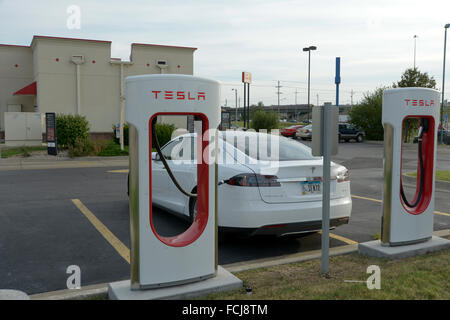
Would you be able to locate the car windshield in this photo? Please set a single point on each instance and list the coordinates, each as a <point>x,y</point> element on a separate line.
<point>309,127</point>
<point>288,149</point>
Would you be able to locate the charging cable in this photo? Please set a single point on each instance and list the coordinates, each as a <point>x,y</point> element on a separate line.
<point>166,165</point>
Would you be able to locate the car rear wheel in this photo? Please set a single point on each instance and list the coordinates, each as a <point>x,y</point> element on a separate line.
<point>359,138</point>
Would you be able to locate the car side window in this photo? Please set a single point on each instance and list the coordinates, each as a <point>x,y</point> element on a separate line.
<point>168,148</point>
<point>185,149</point>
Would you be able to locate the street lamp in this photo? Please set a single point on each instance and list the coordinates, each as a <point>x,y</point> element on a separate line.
<point>309,49</point>
<point>236,107</point>
<point>443,86</point>
<point>415,37</point>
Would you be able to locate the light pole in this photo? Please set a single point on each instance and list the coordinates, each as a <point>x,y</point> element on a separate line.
<point>309,49</point>
<point>236,106</point>
<point>415,37</point>
<point>443,84</point>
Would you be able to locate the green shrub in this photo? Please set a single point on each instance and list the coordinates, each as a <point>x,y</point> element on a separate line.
<point>70,129</point>
<point>87,147</point>
<point>79,148</point>
<point>125,134</point>
<point>367,115</point>
<point>97,146</point>
<point>164,133</point>
<point>265,120</point>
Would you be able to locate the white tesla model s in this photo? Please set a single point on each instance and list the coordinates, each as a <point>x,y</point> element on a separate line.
<point>276,192</point>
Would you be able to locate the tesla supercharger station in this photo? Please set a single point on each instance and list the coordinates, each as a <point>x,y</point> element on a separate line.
<point>158,261</point>
<point>409,221</point>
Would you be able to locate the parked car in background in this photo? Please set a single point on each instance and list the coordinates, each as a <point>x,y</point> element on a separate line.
<point>304,132</point>
<point>290,131</point>
<point>348,132</point>
<point>445,136</point>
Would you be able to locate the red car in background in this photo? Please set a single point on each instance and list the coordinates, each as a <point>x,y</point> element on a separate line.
<point>290,131</point>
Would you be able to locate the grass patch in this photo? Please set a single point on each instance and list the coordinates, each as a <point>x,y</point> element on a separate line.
<point>113,149</point>
<point>423,277</point>
<point>440,175</point>
<point>376,236</point>
<point>24,151</point>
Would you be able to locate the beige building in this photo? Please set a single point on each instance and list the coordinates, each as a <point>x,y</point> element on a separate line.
<point>78,76</point>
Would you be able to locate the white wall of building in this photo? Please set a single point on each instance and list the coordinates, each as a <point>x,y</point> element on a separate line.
<point>16,72</point>
<point>48,61</point>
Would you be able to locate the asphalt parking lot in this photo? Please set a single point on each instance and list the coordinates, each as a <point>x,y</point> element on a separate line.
<point>51,219</point>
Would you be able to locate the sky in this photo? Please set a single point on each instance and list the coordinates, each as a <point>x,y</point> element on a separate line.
<point>374,39</point>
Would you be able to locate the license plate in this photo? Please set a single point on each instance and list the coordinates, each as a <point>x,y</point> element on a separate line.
<point>311,187</point>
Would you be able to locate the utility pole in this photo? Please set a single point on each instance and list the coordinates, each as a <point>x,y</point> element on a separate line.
<point>278,93</point>
<point>296,96</point>
<point>443,87</point>
<point>351,98</point>
<point>235,105</point>
<point>317,99</point>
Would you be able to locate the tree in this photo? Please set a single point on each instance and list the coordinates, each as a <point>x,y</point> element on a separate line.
<point>367,115</point>
<point>415,78</point>
<point>264,120</point>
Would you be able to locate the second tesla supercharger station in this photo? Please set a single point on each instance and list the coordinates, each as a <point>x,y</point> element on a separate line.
<point>407,223</point>
<point>159,261</point>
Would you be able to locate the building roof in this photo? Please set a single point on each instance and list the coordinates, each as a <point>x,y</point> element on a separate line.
<point>160,45</point>
<point>92,40</point>
<point>35,37</point>
<point>13,45</point>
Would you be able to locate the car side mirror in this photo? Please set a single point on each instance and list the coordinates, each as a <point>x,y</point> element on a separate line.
<point>155,156</point>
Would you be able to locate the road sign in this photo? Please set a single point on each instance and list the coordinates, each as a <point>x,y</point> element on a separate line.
<point>50,133</point>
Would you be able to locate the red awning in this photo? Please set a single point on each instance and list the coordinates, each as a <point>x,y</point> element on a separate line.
<point>30,89</point>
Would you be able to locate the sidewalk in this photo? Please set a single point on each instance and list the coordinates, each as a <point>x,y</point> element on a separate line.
<point>60,163</point>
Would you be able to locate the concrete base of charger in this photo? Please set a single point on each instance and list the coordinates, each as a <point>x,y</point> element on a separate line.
<point>6,294</point>
<point>375,249</point>
<point>223,281</point>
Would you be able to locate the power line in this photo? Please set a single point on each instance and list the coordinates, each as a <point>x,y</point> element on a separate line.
<point>290,87</point>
